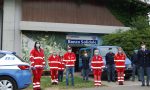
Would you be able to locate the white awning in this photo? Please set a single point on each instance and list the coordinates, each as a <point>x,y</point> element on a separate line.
<point>67,27</point>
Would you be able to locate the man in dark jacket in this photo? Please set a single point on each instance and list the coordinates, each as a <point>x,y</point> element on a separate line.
<point>134,60</point>
<point>110,65</point>
<point>144,63</point>
<point>85,65</point>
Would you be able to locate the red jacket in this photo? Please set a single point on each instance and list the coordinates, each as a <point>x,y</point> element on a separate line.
<point>120,60</point>
<point>37,58</point>
<point>53,62</point>
<point>69,59</point>
<point>61,65</point>
<point>97,62</point>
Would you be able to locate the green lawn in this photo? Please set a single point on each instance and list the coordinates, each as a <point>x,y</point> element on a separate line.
<point>79,83</point>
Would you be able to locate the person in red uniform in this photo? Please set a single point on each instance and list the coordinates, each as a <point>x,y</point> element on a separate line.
<point>69,59</point>
<point>53,64</point>
<point>37,64</point>
<point>61,67</point>
<point>119,59</point>
<point>97,65</point>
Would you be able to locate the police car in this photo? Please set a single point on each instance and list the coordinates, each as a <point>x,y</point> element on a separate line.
<point>15,74</point>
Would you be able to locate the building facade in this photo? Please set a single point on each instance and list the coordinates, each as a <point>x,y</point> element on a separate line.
<point>56,23</point>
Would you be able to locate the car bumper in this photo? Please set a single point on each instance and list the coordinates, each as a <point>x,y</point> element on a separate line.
<point>24,78</point>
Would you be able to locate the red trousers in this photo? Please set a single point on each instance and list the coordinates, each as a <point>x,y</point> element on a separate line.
<point>37,73</point>
<point>120,72</point>
<point>54,75</point>
<point>97,77</point>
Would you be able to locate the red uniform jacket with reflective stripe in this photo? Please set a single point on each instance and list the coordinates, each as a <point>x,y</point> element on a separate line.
<point>97,62</point>
<point>120,60</point>
<point>69,59</point>
<point>53,62</point>
<point>37,58</point>
<point>61,65</point>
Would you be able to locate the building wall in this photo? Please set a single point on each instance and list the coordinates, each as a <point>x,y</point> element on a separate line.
<point>67,11</point>
<point>1,19</point>
<point>11,31</point>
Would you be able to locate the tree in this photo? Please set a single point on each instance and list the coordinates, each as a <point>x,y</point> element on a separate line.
<point>131,39</point>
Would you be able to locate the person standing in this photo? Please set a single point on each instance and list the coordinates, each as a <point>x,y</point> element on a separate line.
<point>61,67</point>
<point>69,59</point>
<point>97,65</point>
<point>85,65</point>
<point>110,65</point>
<point>119,59</point>
<point>37,64</point>
<point>53,64</point>
<point>144,64</point>
<point>135,66</point>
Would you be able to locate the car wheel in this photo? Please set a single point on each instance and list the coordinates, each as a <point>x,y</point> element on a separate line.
<point>7,83</point>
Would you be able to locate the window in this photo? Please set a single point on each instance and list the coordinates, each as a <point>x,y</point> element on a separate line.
<point>2,55</point>
<point>105,50</point>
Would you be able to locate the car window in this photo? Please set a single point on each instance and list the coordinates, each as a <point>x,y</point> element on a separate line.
<point>105,50</point>
<point>19,58</point>
<point>2,55</point>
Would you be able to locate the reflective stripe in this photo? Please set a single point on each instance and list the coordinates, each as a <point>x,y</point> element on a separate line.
<point>69,60</point>
<point>122,77</point>
<point>119,60</point>
<point>97,84</point>
<point>120,80</point>
<point>34,83</point>
<point>53,62</point>
<point>61,68</point>
<point>53,67</point>
<point>69,65</point>
<point>98,81</point>
<point>97,62</point>
<point>32,62</point>
<point>31,56</point>
<point>120,66</point>
<point>38,66</point>
<point>43,62</point>
<point>96,67</point>
<point>36,86</point>
<point>37,82</point>
<point>38,58</point>
<point>103,66</point>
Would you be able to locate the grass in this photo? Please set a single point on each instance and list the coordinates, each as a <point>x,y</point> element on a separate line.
<point>79,83</point>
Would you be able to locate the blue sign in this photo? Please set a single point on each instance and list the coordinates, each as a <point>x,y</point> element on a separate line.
<point>82,41</point>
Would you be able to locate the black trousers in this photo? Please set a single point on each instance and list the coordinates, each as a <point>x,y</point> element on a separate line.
<point>60,75</point>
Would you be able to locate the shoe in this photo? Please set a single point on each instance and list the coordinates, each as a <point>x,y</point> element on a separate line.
<point>108,80</point>
<point>52,83</point>
<point>113,81</point>
<point>147,84</point>
<point>143,85</point>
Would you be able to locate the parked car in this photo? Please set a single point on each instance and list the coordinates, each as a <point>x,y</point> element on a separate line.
<point>15,74</point>
<point>103,51</point>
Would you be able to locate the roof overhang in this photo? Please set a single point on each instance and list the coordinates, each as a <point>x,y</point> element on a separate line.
<point>67,27</point>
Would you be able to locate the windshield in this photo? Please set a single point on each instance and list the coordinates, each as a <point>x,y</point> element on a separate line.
<point>105,50</point>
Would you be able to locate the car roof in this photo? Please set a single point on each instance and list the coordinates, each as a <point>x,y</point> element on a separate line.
<point>105,46</point>
<point>7,52</point>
